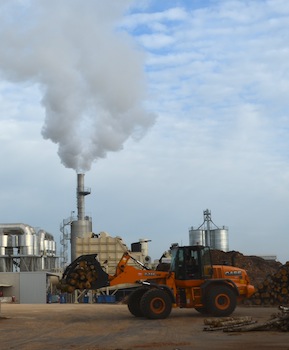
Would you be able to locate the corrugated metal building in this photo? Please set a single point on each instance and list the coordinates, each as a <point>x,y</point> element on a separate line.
<point>25,287</point>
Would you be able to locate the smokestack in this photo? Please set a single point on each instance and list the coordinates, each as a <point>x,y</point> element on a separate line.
<point>83,225</point>
<point>81,193</point>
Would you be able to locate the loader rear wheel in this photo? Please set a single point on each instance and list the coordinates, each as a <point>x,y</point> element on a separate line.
<point>221,301</point>
<point>134,301</point>
<point>156,304</point>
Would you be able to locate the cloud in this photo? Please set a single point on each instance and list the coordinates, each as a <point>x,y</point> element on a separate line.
<point>220,89</point>
<point>90,74</point>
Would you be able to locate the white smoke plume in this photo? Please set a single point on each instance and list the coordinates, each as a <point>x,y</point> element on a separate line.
<point>90,73</point>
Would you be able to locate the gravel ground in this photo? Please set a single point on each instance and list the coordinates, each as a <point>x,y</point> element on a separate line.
<point>112,327</point>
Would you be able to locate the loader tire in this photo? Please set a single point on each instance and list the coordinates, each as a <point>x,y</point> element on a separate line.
<point>202,310</point>
<point>221,301</point>
<point>156,304</point>
<point>134,301</point>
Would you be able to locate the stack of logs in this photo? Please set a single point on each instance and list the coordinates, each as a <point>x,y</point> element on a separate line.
<point>274,290</point>
<point>81,277</point>
<point>278,322</point>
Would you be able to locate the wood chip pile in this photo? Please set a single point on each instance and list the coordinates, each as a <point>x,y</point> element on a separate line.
<point>270,278</point>
<point>257,268</point>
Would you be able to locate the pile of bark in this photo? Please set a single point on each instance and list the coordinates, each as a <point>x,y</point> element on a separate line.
<point>257,268</point>
<point>269,277</point>
<point>277,322</point>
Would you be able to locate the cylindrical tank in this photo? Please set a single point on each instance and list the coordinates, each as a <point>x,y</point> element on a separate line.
<point>197,237</point>
<point>36,250</point>
<point>144,246</point>
<point>3,244</point>
<point>53,249</point>
<point>41,237</point>
<point>26,244</point>
<point>219,239</point>
<point>78,229</point>
<point>47,248</point>
<point>12,241</point>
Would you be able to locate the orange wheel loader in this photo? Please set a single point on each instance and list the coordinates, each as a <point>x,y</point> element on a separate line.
<point>191,281</point>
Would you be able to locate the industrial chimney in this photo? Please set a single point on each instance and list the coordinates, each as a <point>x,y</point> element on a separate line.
<point>83,226</point>
<point>81,192</point>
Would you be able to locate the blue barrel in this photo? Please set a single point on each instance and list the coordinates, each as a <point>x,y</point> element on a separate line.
<point>62,298</point>
<point>49,298</point>
<point>85,299</point>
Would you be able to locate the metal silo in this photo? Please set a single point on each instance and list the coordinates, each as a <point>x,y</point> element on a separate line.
<point>197,236</point>
<point>219,239</point>
<point>208,234</point>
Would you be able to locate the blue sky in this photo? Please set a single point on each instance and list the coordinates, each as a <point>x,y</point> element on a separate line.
<point>170,108</point>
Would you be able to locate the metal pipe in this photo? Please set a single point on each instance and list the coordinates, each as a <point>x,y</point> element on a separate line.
<point>80,197</point>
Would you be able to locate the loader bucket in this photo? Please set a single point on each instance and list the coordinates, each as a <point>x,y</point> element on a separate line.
<point>84,273</point>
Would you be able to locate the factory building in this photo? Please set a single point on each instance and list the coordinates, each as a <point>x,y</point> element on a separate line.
<point>110,249</point>
<point>28,255</point>
<point>27,258</point>
<point>24,249</point>
<point>78,230</point>
<point>84,241</point>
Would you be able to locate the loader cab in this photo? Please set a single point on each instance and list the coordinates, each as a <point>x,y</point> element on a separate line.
<point>191,262</point>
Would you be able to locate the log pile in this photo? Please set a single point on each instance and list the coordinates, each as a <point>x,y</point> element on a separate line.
<point>278,322</point>
<point>80,278</point>
<point>274,289</point>
<point>223,323</point>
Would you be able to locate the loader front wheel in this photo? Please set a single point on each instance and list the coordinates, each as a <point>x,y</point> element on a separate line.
<point>202,310</point>
<point>134,301</point>
<point>156,304</point>
<point>221,301</point>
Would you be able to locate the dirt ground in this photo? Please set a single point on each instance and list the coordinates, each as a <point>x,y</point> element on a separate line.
<point>112,327</point>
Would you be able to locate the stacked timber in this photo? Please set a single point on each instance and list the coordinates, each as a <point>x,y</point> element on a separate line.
<point>80,277</point>
<point>274,290</point>
<point>223,323</point>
